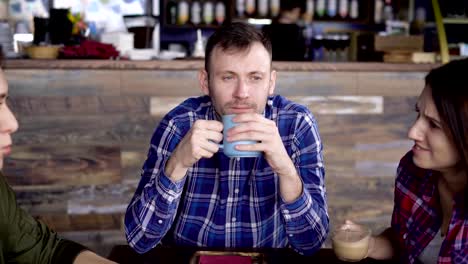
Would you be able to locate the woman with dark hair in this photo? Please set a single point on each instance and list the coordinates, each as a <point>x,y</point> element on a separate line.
<point>430,215</point>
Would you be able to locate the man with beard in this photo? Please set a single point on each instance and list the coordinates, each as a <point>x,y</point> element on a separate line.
<point>192,194</point>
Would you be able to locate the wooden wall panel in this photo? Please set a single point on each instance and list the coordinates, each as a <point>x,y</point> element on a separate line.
<point>63,82</point>
<point>27,82</point>
<point>83,82</point>
<point>69,129</point>
<point>61,223</point>
<point>341,105</point>
<point>390,83</point>
<point>162,83</point>
<point>316,83</point>
<point>63,165</point>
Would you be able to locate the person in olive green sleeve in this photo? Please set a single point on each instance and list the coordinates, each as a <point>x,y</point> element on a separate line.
<point>23,239</point>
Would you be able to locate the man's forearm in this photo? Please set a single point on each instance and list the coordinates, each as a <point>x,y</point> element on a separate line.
<point>174,171</point>
<point>290,184</point>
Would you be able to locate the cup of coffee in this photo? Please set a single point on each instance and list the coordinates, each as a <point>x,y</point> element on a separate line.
<point>229,148</point>
<point>351,242</point>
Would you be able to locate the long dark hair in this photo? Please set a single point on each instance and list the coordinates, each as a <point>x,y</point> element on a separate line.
<point>235,36</point>
<point>450,95</point>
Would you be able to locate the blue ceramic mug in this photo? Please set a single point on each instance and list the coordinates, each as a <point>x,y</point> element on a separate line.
<point>229,147</point>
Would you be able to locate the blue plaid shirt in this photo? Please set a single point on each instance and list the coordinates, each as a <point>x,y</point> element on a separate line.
<point>230,202</point>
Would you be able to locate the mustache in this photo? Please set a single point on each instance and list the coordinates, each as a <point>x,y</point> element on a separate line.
<point>234,104</point>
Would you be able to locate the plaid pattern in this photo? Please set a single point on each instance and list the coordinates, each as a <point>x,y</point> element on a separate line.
<point>417,216</point>
<point>230,202</point>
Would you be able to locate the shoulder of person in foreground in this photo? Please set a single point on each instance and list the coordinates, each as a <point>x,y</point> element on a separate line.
<point>28,240</point>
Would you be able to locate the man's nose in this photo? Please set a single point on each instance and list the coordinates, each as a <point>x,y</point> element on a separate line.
<point>242,90</point>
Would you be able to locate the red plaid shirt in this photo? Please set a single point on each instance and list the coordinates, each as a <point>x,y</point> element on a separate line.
<point>417,216</point>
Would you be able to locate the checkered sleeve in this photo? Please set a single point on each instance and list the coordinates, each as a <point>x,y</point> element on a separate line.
<point>306,218</point>
<point>153,207</point>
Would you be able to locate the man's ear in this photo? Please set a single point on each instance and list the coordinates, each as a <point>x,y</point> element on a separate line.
<point>203,79</point>
<point>272,83</point>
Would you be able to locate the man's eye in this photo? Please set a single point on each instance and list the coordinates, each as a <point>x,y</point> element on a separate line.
<point>227,78</point>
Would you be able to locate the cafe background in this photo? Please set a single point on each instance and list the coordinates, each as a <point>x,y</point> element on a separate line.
<point>87,110</point>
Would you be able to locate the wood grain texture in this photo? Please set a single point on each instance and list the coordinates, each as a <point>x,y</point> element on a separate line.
<point>63,165</point>
<point>316,83</point>
<point>390,83</point>
<point>162,83</point>
<point>72,130</point>
<point>61,223</point>
<point>63,82</point>
<point>341,105</point>
<point>161,105</point>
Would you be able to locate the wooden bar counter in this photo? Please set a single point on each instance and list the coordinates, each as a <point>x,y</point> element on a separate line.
<point>85,126</point>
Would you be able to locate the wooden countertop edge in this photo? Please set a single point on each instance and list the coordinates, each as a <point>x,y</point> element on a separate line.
<point>198,64</point>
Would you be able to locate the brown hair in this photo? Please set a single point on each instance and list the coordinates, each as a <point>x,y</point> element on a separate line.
<point>450,95</point>
<point>235,36</point>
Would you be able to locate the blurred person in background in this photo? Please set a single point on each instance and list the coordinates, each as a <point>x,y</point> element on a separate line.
<point>287,36</point>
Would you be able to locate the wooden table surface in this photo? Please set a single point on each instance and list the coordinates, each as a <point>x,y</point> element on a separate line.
<point>124,254</point>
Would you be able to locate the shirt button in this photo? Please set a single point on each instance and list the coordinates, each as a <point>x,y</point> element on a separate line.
<point>237,159</point>
<point>405,235</point>
<point>236,191</point>
<point>160,221</point>
<point>291,235</point>
<point>234,219</point>
<point>286,211</point>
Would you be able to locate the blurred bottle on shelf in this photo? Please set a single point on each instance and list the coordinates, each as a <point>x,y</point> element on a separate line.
<point>331,47</point>
<point>208,12</point>
<point>250,8</point>
<point>195,13</point>
<point>418,24</point>
<point>317,47</point>
<point>262,8</point>
<point>183,12</point>
<point>378,11</point>
<point>331,8</point>
<point>354,12</point>
<point>343,48</point>
<point>388,11</point>
<point>308,15</point>
<point>275,8</point>
<point>171,12</point>
<point>320,8</point>
<point>240,8</point>
<point>220,12</point>
<point>344,9</point>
